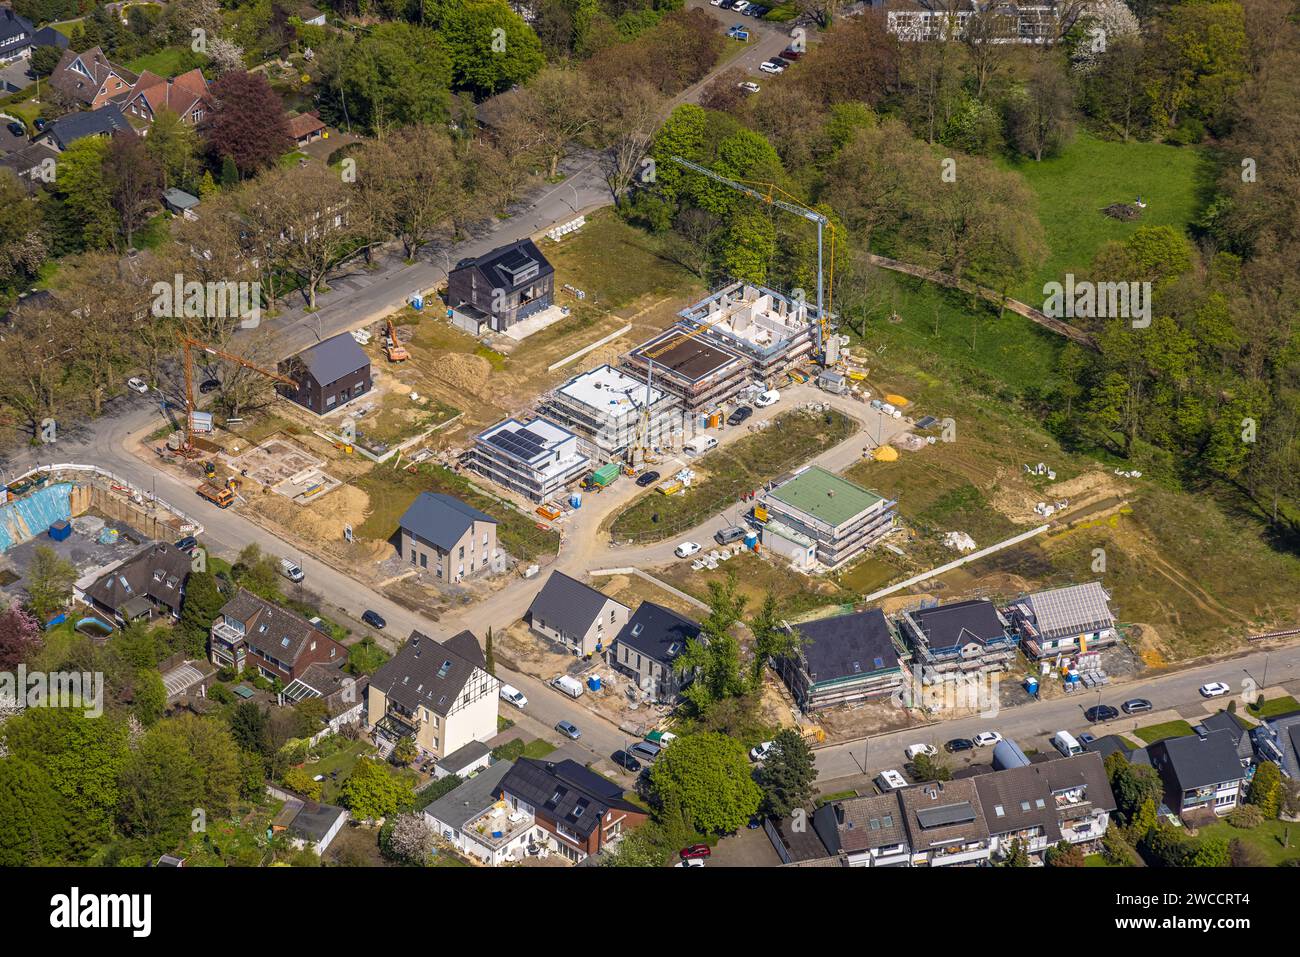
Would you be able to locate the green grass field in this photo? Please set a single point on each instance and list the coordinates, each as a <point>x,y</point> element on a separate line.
<point>1277,841</point>
<point>1159,732</point>
<point>1091,174</point>
<point>168,62</point>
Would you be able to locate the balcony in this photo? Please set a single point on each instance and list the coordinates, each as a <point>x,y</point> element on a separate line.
<point>224,632</point>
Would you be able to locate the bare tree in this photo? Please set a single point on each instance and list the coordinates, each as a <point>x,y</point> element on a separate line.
<point>409,184</point>
<point>628,118</point>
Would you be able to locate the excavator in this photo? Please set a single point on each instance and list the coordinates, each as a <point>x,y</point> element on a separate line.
<point>394,350</point>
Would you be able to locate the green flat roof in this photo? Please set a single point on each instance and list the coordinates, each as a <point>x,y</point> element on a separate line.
<point>828,497</point>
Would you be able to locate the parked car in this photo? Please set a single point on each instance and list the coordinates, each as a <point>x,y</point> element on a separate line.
<point>748,86</point>
<point>740,415</point>
<point>626,761</point>
<point>209,385</point>
<point>647,478</point>
<point>771,66</point>
<point>770,397</point>
<point>738,32</point>
<point>644,750</point>
<point>912,750</point>
<point>1136,706</point>
<point>694,852</point>
<point>136,384</point>
<point>890,780</point>
<point>759,752</point>
<point>725,536</point>
<point>759,11</point>
<point>1086,738</point>
<point>959,744</point>
<point>569,730</point>
<point>187,544</point>
<point>1215,689</point>
<point>290,570</point>
<point>690,862</point>
<point>374,619</point>
<point>686,549</point>
<point>17,129</point>
<point>986,739</point>
<point>1101,712</point>
<point>514,696</point>
<point>716,3</point>
<point>791,54</point>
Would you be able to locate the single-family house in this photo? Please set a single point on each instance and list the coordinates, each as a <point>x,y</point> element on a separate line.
<point>1043,803</point>
<point>582,812</point>
<point>251,631</point>
<point>505,286</point>
<point>865,831</point>
<point>151,583</point>
<point>16,36</point>
<point>478,823</point>
<point>186,95</point>
<point>961,637</point>
<point>89,79</point>
<point>647,647</point>
<point>329,374</point>
<point>67,129</point>
<point>1201,772</point>
<point>844,659</point>
<point>1069,620</point>
<point>945,824</point>
<point>33,164</point>
<point>443,534</point>
<point>440,693</point>
<point>575,615</point>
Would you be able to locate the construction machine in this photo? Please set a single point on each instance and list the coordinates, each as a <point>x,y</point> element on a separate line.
<point>394,350</point>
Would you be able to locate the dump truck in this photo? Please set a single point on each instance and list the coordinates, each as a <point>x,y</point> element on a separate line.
<point>218,495</point>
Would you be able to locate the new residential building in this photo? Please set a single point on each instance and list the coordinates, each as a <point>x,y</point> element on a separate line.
<point>702,374</point>
<point>504,286</point>
<point>605,407</point>
<point>649,645</point>
<point>443,534</point>
<point>771,331</point>
<point>840,517</point>
<point>576,615</point>
<point>535,459</point>
<point>961,637</point>
<point>330,374</point>
<point>437,692</point>
<point>844,659</point>
<point>1069,620</point>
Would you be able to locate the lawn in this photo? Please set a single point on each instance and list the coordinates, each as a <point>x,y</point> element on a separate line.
<point>391,491</point>
<point>1159,732</point>
<point>1091,174</point>
<point>516,748</point>
<point>168,62</point>
<point>343,761</point>
<point>1274,707</point>
<point>744,465</point>
<point>1269,839</point>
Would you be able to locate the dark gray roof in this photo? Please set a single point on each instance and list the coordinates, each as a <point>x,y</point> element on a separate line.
<point>274,631</point>
<point>441,519</point>
<point>1107,745</point>
<point>314,820</point>
<point>567,605</point>
<point>958,623</point>
<point>462,758</point>
<point>427,672</point>
<point>1197,762</point>
<point>66,130</point>
<point>1087,771</point>
<point>340,690</point>
<point>657,632</point>
<point>471,798</point>
<point>13,26</point>
<point>847,645</point>
<point>158,571</point>
<point>334,358</point>
<point>1224,721</point>
<point>566,792</point>
<point>510,267</point>
<point>49,37</point>
<point>862,823</point>
<point>25,160</point>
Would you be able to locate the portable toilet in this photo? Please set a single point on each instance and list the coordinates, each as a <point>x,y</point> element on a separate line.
<point>1031,685</point>
<point>417,301</point>
<point>594,682</point>
<point>751,539</point>
<point>576,500</point>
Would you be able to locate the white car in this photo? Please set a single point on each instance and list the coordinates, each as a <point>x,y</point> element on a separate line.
<point>686,549</point>
<point>690,862</point>
<point>759,752</point>
<point>770,397</point>
<point>715,3</point>
<point>514,696</point>
<point>986,739</point>
<point>912,750</point>
<point>1215,689</point>
<point>771,66</point>
<point>137,385</point>
<point>748,86</point>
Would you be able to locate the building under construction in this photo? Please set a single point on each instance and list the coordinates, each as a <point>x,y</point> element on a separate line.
<point>604,408</point>
<point>699,373</point>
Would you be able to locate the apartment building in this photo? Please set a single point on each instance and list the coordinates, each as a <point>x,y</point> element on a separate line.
<point>536,459</point>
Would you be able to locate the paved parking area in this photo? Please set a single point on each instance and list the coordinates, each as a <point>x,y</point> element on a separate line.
<point>745,848</point>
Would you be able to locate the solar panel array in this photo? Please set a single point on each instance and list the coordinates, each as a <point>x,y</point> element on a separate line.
<point>930,817</point>
<point>521,443</point>
<point>1076,608</point>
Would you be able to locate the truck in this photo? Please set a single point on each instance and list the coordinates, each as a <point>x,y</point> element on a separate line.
<point>218,495</point>
<point>570,686</point>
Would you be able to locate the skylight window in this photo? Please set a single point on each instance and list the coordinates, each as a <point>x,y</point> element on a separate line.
<point>446,666</point>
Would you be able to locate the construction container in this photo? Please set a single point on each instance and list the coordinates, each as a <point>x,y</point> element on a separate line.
<point>60,530</point>
<point>575,500</point>
<point>605,474</point>
<point>200,421</point>
<point>715,419</point>
<point>548,512</point>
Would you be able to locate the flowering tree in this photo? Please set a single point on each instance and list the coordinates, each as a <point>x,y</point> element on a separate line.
<point>20,636</point>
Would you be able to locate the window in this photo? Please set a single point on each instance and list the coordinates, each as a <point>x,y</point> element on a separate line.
<point>461,553</point>
<point>424,561</point>
<point>413,554</point>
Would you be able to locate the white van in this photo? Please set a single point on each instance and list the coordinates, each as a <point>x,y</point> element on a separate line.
<point>290,570</point>
<point>570,686</point>
<point>700,444</point>
<point>514,696</point>
<point>890,781</point>
<point>1064,742</point>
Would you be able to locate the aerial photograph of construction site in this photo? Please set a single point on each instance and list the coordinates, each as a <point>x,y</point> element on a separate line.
<point>797,476</point>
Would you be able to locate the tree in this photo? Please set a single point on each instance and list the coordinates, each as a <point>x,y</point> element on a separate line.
<point>1017,855</point>
<point>150,697</point>
<point>410,182</point>
<point>712,661</point>
<point>490,662</point>
<point>226,56</point>
<point>709,775</point>
<point>173,145</point>
<point>1266,789</point>
<point>250,729</point>
<point>200,606</point>
<point>49,582</point>
<point>986,37</point>
<point>405,751</point>
<point>397,75</point>
<point>300,781</point>
<point>1063,854</point>
<point>788,775</point>
<point>84,215</point>
<point>491,47</point>
<point>773,641</point>
<point>31,818</point>
<point>370,792</point>
<point>1040,117</point>
<point>558,107</point>
<point>160,789</point>
<point>1210,852</point>
<point>1133,786</point>
<point>627,117</point>
<point>931,768</point>
<point>408,838</point>
<point>20,636</point>
<point>257,572</point>
<point>247,124</point>
<point>134,181</point>
<point>22,236</point>
<point>1241,854</point>
<point>44,60</point>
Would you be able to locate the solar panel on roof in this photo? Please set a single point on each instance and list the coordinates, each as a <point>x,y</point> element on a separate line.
<point>961,813</point>
<point>528,435</point>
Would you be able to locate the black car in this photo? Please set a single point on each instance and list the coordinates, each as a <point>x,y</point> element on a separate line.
<point>647,478</point>
<point>1101,712</point>
<point>959,744</point>
<point>17,129</point>
<point>373,619</point>
<point>209,385</point>
<point>740,415</point>
<point>626,761</point>
<point>187,544</point>
<point>1136,706</point>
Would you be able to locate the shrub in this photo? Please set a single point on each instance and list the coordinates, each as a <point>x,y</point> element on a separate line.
<point>1246,817</point>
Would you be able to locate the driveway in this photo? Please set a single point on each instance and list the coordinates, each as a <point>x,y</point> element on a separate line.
<point>745,848</point>
<point>13,76</point>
